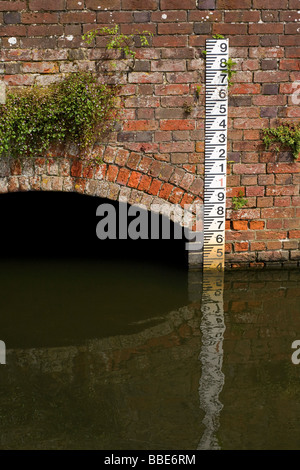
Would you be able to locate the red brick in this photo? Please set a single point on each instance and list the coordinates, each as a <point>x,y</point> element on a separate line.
<point>266,28</point>
<point>242,16</point>
<point>144,183</point>
<point>144,77</point>
<point>110,154</point>
<point>228,247</point>
<point>282,201</point>
<point>166,191</point>
<point>241,246</point>
<point>294,234</point>
<point>235,191</point>
<point>112,173</point>
<point>175,28</point>
<point>78,17</point>
<point>123,176</point>
<point>246,123</point>
<point>257,246</point>
<point>155,168</point>
<point>37,18</point>
<point>249,169</point>
<point>245,89</point>
<point>274,224</point>
<point>177,147</point>
<point>142,125</point>
<point>255,191</point>
<point>175,89</point>
<point>257,225</point>
<point>234,4</point>
<point>13,30</point>
<point>272,213</point>
<point>271,235</point>
<point>40,67</point>
<point>155,187</point>
<point>47,5</point>
<point>281,190</point>
<point>170,41</point>
<point>270,4</point>
<point>176,124</point>
<point>283,168</point>
<point>176,195</point>
<point>293,52</point>
<point>229,29</point>
<point>172,16</point>
<point>138,5</point>
<point>240,225</point>
<point>105,4</point>
<point>177,5</point>
<point>271,76</point>
<point>274,245</point>
<point>134,179</point>
<point>168,66</point>
<point>76,168</point>
<point>245,214</point>
<point>45,30</point>
<point>16,80</point>
<point>186,200</point>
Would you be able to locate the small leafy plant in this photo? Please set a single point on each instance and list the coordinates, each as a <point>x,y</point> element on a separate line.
<point>77,109</point>
<point>118,41</point>
<point>239,201</point>
<point>229,71</point>
<point>218,36</point>
<point>198,91</point>
<point>287,135</point>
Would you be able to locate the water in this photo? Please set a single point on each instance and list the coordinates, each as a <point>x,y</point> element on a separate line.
<point>131,355</point>
<point>116,346</point>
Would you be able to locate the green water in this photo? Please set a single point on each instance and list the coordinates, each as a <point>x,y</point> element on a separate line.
<point>110,355</point>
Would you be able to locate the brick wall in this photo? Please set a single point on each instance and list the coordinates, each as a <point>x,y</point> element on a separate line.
<point>41,39</point>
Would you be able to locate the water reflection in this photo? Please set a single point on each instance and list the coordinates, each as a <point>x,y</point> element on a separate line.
<point>211,356</point>
<point>170,378</point>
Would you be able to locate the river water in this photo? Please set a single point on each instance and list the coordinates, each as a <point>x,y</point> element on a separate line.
<point>116,346</point>
<point>110,355</point>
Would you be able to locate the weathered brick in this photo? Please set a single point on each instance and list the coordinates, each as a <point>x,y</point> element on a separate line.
<point>47,5</point>
<point>137,5</point>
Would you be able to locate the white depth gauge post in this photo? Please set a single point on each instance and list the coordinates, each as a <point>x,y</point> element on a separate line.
<point>216,115</point>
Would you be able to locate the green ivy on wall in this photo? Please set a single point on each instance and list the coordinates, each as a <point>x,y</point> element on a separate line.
<point>77,109</point>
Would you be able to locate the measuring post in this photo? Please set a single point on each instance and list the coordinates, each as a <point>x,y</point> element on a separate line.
<point>216,116</point>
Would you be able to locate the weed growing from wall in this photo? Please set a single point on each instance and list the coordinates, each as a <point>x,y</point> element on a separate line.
<point>286,135</point>
<point>77,109</point>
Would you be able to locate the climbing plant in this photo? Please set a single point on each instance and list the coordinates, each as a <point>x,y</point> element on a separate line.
<point>287,135</point>
<point>76,109</point>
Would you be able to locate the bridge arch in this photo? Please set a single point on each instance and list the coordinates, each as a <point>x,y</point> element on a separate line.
<point>117,175</point>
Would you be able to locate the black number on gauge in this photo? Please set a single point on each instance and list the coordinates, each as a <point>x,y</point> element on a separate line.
<point>222,108</point>
<point>223,63</point>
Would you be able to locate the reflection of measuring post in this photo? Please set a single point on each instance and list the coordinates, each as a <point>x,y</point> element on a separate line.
<point>2,353</point>
<point>211,357</point>
<point>216,113</point>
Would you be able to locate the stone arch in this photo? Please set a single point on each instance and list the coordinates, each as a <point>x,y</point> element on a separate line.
<point>117,174</point>
<point>121,173</point>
